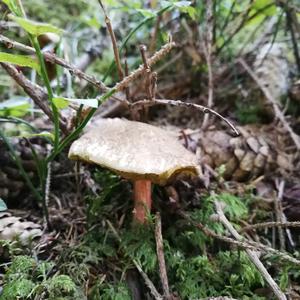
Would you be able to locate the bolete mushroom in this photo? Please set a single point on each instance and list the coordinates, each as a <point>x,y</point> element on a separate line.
<point>137,151</point>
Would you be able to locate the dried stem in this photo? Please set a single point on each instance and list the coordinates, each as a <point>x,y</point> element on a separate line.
<point>183,104</point>
<point>272,101</point>
<point>161,257</point>
<point>148,73</point>
<point>154,34</point>
<point>147,280</point>
<point>52,58</point>
<point>157,56</point>
<point>252,254</point>
<point>241,244</point>
<point>114,41</point>
<point>36,93</point>
<point>208,56</point>
<point>279,214</point>
<point>270,224</point>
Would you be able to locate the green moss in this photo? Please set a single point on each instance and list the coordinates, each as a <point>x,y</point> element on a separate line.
<point>61,285</point>
<point>17,289</point>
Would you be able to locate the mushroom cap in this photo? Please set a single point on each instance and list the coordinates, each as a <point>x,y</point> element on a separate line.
<point>134,150</point>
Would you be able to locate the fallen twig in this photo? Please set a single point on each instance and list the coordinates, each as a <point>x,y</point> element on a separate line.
<point>273,102</point>
<point>252,254</point>
<point>241,244</point>
<point>270,224</point>
<point>183,104</point>
<point>161,257</point>
<point>147,280</point>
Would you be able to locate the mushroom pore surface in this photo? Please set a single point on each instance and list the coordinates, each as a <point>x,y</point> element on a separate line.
<point>134,150</point>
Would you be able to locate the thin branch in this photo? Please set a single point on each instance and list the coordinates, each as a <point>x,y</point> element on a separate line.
<point>154,34</point>
<point>252,254</point>
<point>273,102</point>
<point>52,58</point>
<point>148,73</point>
<point>34,91</point>
<point>208,55</point>
<point>161,257</point>
<point>270,224</point>
<point>45,201</point>
<point>114,42</point>
<point>293,25</point>
<point>279,213</point>
<point>157,56</point>
<point>183,104</point>
<point>241,244</point>
<point>147,280</point>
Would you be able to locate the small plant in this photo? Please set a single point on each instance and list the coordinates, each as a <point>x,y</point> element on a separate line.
<point>27,278</point>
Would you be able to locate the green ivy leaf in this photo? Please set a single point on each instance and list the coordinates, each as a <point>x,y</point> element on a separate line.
<point>3,206</point>
<point>62,102</point>
<point>20,60</point>
<point>36,28</point>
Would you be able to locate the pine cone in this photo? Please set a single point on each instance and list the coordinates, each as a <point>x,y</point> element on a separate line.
<point>11,182</point>
<point>15,228</point>
<point>255,152</point>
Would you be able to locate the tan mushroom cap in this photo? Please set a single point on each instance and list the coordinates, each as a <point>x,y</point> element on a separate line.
<point>134,150</point>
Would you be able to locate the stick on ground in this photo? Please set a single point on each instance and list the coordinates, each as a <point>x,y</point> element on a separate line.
<point>161,258</point>
<point>252,254</point>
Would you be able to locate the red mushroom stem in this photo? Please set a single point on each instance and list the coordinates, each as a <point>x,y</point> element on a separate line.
<point>142,200</point>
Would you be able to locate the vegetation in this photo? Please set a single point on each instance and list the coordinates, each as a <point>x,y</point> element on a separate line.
<point>65,64</point>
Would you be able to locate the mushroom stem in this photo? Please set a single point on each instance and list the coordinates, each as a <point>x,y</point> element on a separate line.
<point>142,199</point>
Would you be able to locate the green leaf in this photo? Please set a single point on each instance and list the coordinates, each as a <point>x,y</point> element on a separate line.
<point>183,3</point>
<point>44,134</point>
<point>13,7</point>
<point>267,7</point>
<point>20,60</point>
<point>146,12</point>
<point>36,28</point>
<point>62,102</point>
<point>2,205</point>
<point>14,107</point>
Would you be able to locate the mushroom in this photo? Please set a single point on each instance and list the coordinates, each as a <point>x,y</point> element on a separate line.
<point>137,151</point>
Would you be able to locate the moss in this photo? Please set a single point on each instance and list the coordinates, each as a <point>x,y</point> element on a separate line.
<point>61,286</point>
<point>17,289</point>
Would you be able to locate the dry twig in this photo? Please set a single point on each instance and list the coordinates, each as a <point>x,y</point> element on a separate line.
<point>183,104</point>
<point>279,214</point>
<point>270,224</point>
<point>148,282</point>
<point>114,41</point>
<point>241,244</point>
<point>208,56</point>
<point>252,254</point>
<point>51,57</point>
<point>273,102</point>
<point>161,257</point>
<point>35,92</point>
<point>157,56</point>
